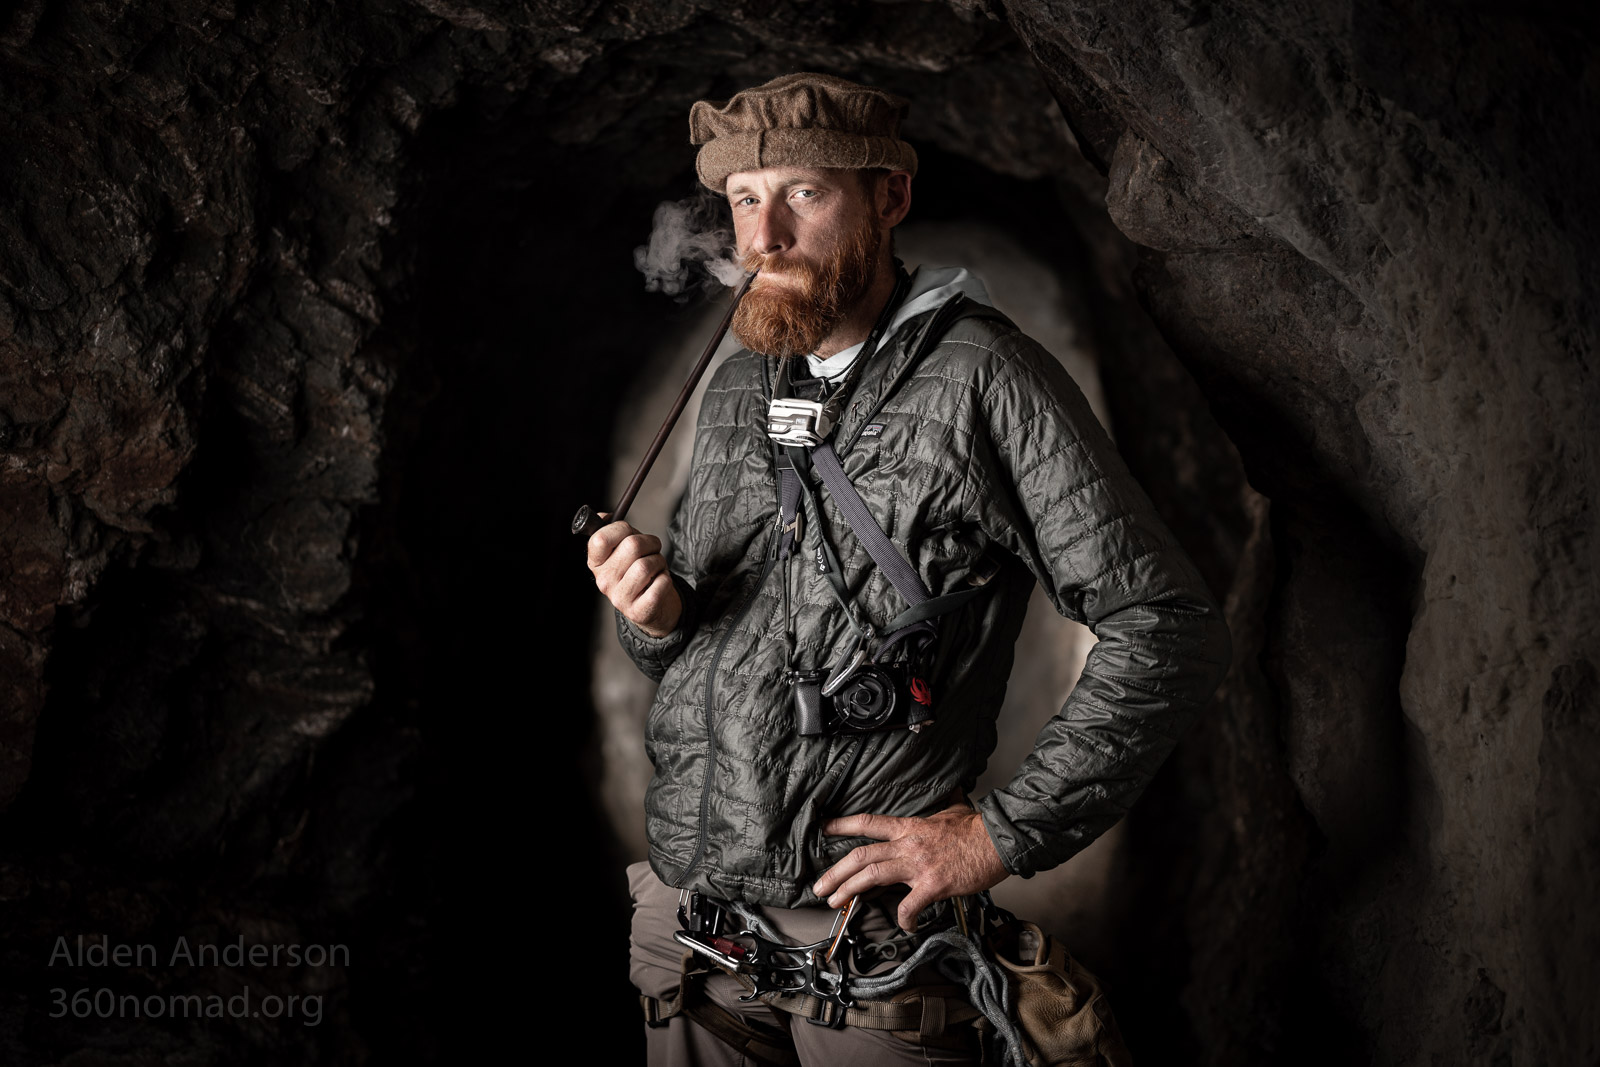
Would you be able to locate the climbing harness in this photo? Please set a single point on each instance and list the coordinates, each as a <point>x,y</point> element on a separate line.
<point>812,981</point>
<point>1008,986</point>
<point>769,965</point>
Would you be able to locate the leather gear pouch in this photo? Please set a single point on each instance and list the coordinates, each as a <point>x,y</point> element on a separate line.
<point>1061,1008</point>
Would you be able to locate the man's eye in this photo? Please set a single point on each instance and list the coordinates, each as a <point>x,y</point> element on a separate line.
<point>805,194</point>
<point>746,201</point>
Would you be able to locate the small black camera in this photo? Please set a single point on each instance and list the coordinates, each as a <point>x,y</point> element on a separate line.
<point>873,698</point>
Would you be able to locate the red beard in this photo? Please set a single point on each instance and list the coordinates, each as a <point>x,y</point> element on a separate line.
<point>794,316</point>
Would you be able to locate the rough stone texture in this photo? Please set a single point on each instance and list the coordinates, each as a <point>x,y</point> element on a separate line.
<point>309,315</point>
<point>1364,234</point>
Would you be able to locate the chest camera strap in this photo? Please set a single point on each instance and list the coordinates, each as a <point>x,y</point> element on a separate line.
<point>914,629</point>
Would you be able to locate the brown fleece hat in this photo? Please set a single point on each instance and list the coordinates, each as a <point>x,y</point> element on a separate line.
<point>799,120</point>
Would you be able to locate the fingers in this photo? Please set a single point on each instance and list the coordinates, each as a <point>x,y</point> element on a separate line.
<point>897,870</point>
<point>856,861</point>
<point>640,576</point>
<point>614,547</point>
<point>905,916</point>
<point>888,863</point>
<point>624,562</point>
<point>655,601</point>
<point>882,827</point>
<point>604,540</point>
<point>943,855</point>
<point>630,570</point>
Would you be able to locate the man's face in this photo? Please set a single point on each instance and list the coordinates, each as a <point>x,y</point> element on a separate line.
<point>816,239</point>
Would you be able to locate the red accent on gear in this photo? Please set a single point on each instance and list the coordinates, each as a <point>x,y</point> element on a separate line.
<point>921,693</point>
<point>727,947</point>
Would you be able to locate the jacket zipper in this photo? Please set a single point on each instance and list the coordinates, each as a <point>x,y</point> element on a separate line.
<point>711,734</point>
<point>826,807</point>
<point>771,553</point>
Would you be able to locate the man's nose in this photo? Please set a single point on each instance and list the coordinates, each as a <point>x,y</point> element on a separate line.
<point>772,233</point>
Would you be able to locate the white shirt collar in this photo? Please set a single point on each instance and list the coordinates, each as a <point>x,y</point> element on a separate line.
<point>930,287</point>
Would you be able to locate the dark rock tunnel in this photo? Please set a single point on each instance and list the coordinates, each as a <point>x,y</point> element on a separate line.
<point>313,328</point>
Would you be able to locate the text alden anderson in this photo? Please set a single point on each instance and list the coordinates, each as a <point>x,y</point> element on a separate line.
<point>202,954</point>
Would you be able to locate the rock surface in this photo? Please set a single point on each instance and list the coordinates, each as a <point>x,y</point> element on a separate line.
<point>1365,239</point>
<point>309,317</point>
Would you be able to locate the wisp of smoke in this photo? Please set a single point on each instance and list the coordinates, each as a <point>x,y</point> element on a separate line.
<point>690,244</point>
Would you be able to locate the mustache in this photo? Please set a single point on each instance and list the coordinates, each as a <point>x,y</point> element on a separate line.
<point>768,263</point>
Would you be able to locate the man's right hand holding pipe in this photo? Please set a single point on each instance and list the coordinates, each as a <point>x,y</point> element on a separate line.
<point>629,569</point>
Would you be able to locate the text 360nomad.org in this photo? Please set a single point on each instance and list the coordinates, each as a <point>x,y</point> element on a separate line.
<point>240,1001</point>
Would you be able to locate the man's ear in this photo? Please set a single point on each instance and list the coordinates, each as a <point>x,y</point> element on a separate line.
<point>894,198</point>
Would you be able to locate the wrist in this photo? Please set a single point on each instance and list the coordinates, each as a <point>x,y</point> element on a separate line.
<point>656,632</point>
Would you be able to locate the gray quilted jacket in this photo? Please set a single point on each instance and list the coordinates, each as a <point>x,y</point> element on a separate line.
<point>988,454</point>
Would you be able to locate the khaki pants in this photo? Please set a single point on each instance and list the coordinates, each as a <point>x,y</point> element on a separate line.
<point>654,967</point>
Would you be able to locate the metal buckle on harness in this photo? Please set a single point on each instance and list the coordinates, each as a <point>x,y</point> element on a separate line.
<point>767,966</point>
<point>799,422</point>
<point>830,1013</point>
<point>833,1006</point>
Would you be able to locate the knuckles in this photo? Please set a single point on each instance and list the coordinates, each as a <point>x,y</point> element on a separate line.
<point>605,543</point>
<point>640,571</point>
<point>640,544</point>
<point>649,602</point>
<point>617,555</point>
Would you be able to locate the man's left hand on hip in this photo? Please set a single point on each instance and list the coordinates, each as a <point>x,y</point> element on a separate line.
<point>947,854</point>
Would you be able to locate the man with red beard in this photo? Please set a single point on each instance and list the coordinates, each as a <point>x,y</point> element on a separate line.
<point>877,483</point>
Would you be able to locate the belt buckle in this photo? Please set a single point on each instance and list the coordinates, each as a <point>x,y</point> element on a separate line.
<point>828,989</point>
<point>831,1015</point>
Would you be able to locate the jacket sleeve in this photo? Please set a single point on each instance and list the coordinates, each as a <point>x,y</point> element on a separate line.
<point>695,521</point>
<point>1061,499</point>
<point>653,655</point>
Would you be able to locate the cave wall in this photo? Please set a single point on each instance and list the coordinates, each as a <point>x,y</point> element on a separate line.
<point>276,527</point>
<point>1362,230</point>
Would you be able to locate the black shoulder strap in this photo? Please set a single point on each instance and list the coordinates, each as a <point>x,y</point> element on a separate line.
<point>922,605</point>
<point>901,574</point>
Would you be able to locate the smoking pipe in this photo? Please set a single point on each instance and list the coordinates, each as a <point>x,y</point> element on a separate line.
<point>588,519</point>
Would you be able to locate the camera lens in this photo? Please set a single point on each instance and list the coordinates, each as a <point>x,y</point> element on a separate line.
<point>866,701</point>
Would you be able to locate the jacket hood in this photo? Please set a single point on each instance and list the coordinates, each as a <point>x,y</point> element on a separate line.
<point>930,287</point>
